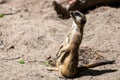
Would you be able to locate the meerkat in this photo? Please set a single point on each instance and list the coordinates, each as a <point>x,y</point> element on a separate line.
<point>67,56</point>
<point>63,7</point>
<point>68,52</point>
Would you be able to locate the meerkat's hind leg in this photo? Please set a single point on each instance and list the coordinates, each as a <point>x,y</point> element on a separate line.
<point>52,69</point>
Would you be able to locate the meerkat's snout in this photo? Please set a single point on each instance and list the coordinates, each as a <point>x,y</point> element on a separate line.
<point>78,17</point>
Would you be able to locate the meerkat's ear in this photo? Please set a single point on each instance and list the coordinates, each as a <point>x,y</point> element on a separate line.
<point>83,21</point>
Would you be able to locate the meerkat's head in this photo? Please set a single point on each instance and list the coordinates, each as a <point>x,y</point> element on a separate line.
<point>78,18</point>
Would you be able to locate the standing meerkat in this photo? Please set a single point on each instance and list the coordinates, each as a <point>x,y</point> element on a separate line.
<point>67,56</point>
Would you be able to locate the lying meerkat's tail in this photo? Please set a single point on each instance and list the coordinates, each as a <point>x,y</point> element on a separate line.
<point>98,64</point>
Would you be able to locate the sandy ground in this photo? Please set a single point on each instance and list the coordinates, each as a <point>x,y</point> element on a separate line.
<point>31,31</point>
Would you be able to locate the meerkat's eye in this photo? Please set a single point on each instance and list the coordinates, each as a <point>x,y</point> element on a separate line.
<point>76,14</point>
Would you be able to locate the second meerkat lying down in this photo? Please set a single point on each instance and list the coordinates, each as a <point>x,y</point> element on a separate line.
<point>67,56</point>
<point>63,7</point>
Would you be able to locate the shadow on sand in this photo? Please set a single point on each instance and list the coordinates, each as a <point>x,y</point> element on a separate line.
<point>91,72</point>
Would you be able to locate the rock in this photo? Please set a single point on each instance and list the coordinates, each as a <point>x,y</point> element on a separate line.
<point>2,1</point>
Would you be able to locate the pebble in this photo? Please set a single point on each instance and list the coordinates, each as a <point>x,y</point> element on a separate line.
<point>0,33</point>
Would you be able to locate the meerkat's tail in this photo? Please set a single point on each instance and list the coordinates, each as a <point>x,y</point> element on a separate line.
<point>98,64</point>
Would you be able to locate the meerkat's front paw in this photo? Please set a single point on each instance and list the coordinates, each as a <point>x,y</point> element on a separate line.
<point>64,51</point>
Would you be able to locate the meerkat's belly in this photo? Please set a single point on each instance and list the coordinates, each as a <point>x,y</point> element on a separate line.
<point>69,67</point>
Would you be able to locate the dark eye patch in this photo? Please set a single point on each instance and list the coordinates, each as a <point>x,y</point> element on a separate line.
<point>77,14</point>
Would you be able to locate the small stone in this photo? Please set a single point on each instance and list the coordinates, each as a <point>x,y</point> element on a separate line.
<point>0,33</point>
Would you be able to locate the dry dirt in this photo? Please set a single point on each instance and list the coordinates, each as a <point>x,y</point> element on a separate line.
<point>31,31</point>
